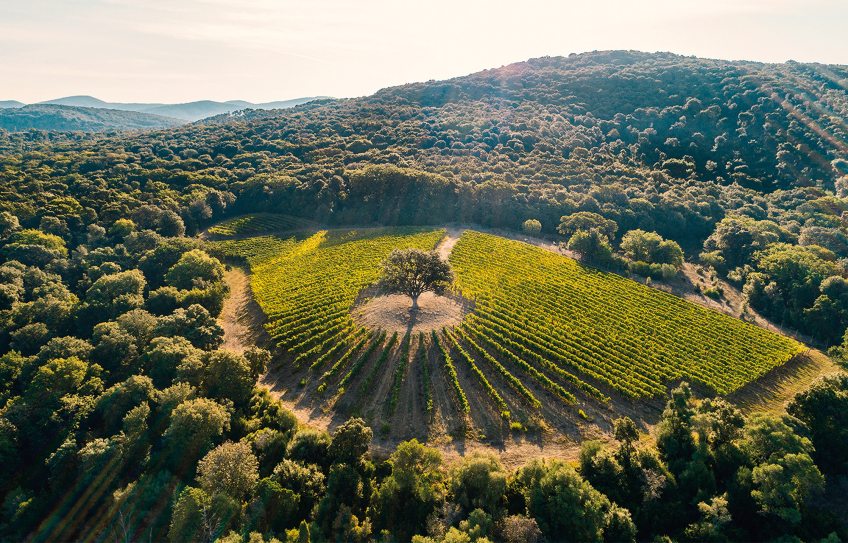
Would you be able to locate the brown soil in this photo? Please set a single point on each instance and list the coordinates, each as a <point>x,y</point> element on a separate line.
<point>394,313</point>
<point>242,317</point>
<point>445,246</point>
<point>555,430</point>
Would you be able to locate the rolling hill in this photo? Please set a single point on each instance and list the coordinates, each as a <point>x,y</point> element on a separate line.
<point>84,119</point>
<point>692,149</point>
<point>190,111</point>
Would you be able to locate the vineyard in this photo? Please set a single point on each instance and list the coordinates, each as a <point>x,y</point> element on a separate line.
<point>546,333</point>
<point>541,307</point>
<point>307,285</point>
<point>258,223</point>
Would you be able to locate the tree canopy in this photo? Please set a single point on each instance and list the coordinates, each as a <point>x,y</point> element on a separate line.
<point>413,272</point>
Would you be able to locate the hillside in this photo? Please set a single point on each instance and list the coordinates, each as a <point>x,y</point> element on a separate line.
<point>696,150</point>
<point>192,347</point>
<point>536,326</point>
<point>83,119</point>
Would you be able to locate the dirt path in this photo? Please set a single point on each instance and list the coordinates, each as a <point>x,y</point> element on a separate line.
<point>445,246</point>
<point>242,317</point>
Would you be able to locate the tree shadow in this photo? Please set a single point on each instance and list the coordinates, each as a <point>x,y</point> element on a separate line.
<point>775,387</point>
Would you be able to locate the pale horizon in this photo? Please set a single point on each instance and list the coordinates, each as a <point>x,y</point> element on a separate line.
<point>262,51</point>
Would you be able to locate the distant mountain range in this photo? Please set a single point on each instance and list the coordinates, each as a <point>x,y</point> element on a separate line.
<point>85,119</point>
<point>191,111</point>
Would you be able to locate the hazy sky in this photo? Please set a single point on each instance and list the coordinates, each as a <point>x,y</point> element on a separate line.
<point>263,50</point>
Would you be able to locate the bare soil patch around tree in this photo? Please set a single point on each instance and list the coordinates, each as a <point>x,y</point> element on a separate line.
<point>394,312</point>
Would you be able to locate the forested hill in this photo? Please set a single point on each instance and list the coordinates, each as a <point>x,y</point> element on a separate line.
<point>122,418</point>
<point>742,163</point>
<point>86,119</point>
<point>765,126</point>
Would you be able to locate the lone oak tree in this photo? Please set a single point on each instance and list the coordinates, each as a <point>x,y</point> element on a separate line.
<point>413,272</point>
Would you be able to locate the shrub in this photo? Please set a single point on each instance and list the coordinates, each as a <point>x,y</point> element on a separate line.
<point>532,227</point>
<point>640,268</point>
<point>715,292</point>
<point>656,271</point>
<point>714,259</point>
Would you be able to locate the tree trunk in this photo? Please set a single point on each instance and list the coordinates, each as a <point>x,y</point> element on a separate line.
<point>414,303</point>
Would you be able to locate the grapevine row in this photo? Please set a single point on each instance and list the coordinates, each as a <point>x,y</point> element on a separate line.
<point>321,335</point>
<point>400,371</point>
<point>557,313</point>
<point>543,380</point>
<point>511,379</point>
<point>422,358</point>
<point>332,340</point>
<point>496,331</point>
<point>476,371</point>
<point>336,349</point>
<point>342,362</point>
<point>258,222</point>
<point>447,364</point>
<point>357,366</point>
<point>366,384</point>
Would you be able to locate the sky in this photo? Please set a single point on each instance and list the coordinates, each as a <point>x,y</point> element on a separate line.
<point>175,51</point>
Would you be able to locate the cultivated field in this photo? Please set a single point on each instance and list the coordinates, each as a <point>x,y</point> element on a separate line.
<point>257,223</point>
<point>540,342</point>
<point>629,337</point>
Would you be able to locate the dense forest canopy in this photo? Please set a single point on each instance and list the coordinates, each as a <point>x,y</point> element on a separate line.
<point>121,417</point>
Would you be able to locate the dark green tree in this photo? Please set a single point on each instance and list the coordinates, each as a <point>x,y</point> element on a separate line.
<point>591,244</point>
<point>413,272</point>
<point>479,482</point>
<point>350,442</point>
<point>823,407</point>
<point>195,268</point>
<point>586,221</point>
<point>194,427</point>
<point>409,495</point>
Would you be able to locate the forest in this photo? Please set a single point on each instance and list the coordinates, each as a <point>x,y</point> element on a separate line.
<point>122,419</point>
